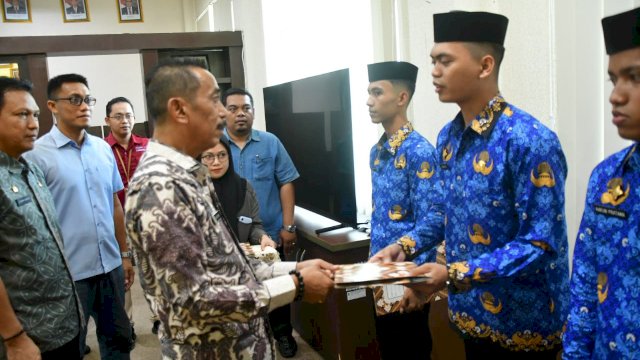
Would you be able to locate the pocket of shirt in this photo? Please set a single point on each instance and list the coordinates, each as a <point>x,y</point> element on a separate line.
<point>263,168</point>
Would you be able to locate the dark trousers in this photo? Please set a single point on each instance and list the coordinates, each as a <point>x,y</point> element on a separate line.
<point>70,350</point>
<point>102,298</point>
<point>483,349</point>
<point>404,336</point>
<point>280,318</point>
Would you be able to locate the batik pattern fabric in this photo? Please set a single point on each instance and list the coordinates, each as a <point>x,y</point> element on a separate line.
<point>604,317</point>
<point>504,176</point>
<point>33,268</point>
<point>407,200</point>
<point>208,296</point>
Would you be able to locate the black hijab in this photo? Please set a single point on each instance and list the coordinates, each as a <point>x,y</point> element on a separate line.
<point>231,190</point>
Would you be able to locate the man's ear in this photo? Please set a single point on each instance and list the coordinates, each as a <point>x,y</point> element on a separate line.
<point>403,97</point>
<point>487,64</point>
<point>177,108</point>
<point>52,106</point>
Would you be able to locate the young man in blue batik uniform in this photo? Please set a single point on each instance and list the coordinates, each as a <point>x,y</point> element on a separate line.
<point>604,318</point>
<point>504,174</point>
<point>404,190</point>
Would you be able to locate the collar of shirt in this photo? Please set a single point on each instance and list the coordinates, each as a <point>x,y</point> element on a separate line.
<point>486,120</point>
<point>632,158</point>
<point>255,135</point>
<point>111,140</point>
<point>61,139</point>
<point>184,161</point>
<point>394,142</point>
<point>12,165</point>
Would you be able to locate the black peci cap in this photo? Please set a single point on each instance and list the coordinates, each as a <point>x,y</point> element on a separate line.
<point>392,70</point>
<point>621,31</point>
<point>470,27</point>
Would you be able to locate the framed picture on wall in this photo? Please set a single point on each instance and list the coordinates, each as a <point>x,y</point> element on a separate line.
<point>75,10</point>
<point>16,11</point>
<point>129,10</point>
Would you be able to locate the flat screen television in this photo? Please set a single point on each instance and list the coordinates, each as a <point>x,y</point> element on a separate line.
<point>312,118</point>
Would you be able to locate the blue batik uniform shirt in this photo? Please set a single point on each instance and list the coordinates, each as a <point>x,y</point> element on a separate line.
<point>407,203</point>
<point>265,163</point>
<point>604,318</point>
<point>505,230</point>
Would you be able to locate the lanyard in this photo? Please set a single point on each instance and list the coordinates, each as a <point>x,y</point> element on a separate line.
<point>126,168</point>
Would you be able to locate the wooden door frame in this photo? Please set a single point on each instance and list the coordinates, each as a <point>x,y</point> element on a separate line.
<point>35,50</point>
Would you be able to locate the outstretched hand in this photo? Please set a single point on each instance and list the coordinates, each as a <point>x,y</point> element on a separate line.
<point>391,253</point>
<point>437,279</point>
<point>317,275</point>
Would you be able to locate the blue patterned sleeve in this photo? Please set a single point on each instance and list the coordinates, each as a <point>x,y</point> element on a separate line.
<point>537,172</point>
<point>578,341</point>
<point>428,197</point>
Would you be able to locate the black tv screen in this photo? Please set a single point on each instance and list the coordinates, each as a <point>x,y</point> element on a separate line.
<point>312,118</point>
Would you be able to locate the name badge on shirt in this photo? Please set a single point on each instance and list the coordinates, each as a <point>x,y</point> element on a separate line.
<point>607,211</point>
<point>23,200</point>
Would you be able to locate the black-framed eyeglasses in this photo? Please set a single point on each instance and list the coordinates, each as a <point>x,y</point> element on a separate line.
<point>209,158</point>
<point>78,100</point>
<point>120,117</point>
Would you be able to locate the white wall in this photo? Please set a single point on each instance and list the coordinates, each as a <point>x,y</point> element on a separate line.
<point>123,79</point>
<point>47,19</point>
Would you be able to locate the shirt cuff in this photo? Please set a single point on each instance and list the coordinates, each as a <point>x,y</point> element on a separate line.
<point>283,268</point>
<point>282,290</point>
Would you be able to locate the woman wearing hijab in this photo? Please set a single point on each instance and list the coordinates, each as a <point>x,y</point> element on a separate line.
<point>238,199</point>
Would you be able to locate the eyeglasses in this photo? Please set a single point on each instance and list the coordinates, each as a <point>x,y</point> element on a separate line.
<point>210,158</point>
<point>121,117</point>
<point>78,100</point>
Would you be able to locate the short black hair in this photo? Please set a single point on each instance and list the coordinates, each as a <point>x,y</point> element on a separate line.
<point>168,79</point>
<point>409,85</point>
<point>236,91</point>
<point>116,100</point>
<point>10,84</point>
<point>56,83</point>
<point>480,49</point>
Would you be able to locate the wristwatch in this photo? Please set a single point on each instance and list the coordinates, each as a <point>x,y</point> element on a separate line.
<point>125,254</point>
<point>290,228</point>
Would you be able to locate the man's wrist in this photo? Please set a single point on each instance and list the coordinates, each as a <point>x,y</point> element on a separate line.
<point>126,254</point>
<point>290,228</point>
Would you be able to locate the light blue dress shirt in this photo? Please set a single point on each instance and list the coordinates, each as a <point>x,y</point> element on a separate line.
<point>82,180</point>
<point>265,163</point>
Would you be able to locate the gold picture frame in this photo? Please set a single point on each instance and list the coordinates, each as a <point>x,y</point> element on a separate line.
<point>16,11</point>
<point>75,10</point>
<point>129,10</point>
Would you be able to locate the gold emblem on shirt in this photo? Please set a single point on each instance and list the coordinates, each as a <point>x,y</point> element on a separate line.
<point>396,213</point>
<point>603,287</point>
<point>460,267</point>
<point>490,303</point>
<point>400,162</point>
<point>483,163</point>
<point>541,244</point>
<point>478,236</point>
<point>426,172</point>
<point>615,194</point>
<point>545,176</point>
<point>447,152</point>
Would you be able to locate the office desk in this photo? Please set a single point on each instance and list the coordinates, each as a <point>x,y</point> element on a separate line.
<point>344,326</point>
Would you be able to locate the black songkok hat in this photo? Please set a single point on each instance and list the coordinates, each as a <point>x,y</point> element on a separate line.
<point>622,31</point>
<point>470,27</point>
<point>392,70</point>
